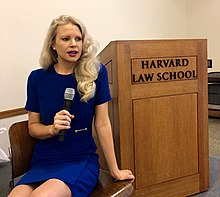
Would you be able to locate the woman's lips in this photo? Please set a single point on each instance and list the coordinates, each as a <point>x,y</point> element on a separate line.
<point>72,53</point>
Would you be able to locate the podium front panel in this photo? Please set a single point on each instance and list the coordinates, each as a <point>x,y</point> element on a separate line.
<point>165,136</point>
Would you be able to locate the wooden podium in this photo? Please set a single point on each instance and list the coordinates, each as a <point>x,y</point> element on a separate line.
<point>159,114</point>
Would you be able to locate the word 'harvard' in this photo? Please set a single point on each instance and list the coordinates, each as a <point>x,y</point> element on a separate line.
<point>165,63</point>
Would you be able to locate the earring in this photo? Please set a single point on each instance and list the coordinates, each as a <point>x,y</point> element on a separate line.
<point>54,48</point>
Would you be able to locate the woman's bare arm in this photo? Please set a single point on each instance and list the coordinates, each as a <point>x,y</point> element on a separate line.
<point>62,120</point>
<point>104,133</point>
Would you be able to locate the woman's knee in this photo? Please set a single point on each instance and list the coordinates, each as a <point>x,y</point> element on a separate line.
<point>52,188</point>
<point>21,191</point>
<point>37,193</point>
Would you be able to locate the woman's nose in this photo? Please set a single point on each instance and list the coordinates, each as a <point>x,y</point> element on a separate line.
<point>73,42</point>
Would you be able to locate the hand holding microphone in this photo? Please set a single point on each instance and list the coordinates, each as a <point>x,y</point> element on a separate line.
<point>68,99</point>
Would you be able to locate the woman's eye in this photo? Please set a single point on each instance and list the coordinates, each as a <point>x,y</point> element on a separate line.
<point>78,39</point>
<point>65,39</point>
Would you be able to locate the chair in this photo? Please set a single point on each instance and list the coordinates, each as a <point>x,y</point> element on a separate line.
<point>22,145</point>
<point>21,148</point>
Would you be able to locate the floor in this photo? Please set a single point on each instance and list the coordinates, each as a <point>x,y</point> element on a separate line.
<point>214,136</point>
<point>4,179</point>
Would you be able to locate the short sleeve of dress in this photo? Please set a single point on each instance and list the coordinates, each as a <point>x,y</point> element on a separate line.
<point>102,87</point>
<point>32,102</point>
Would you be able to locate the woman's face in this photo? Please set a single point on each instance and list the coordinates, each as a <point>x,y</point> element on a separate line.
<point>68,43</point>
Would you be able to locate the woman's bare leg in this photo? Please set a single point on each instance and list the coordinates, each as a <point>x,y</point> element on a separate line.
<point>52,188</point>
<point>22,191</point>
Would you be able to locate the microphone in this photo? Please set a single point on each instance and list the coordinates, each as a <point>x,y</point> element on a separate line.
<point>68,99</point>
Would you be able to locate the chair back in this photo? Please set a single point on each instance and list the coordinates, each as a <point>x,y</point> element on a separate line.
<point>22,145</point>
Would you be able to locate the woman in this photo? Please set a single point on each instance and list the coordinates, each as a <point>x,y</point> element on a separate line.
<point>70,167</point>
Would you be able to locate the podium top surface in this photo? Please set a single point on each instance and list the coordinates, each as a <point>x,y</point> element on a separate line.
<point>155,40</point>
<point>155,48</point>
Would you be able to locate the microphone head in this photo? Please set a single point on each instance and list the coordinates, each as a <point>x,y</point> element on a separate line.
<point>69,94</point>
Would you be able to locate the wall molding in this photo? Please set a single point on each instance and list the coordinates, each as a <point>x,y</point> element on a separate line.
<point>12,112</point>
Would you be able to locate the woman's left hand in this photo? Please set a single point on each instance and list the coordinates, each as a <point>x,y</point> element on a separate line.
<point>124,175</point>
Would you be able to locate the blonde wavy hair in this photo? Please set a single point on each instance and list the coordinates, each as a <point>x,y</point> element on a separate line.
<point>87,67</point>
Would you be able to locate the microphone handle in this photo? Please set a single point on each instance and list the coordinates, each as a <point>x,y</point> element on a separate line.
<point>61,135</point>
<point>67,104</point>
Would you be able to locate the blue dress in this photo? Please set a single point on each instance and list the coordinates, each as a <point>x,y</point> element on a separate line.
<point>74,161</point>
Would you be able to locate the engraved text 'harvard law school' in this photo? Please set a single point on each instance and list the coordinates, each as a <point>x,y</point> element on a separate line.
<point>163,69</point>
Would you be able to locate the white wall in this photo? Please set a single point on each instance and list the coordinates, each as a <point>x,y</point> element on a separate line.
<point>203,22</point>
<point>24,24</point>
